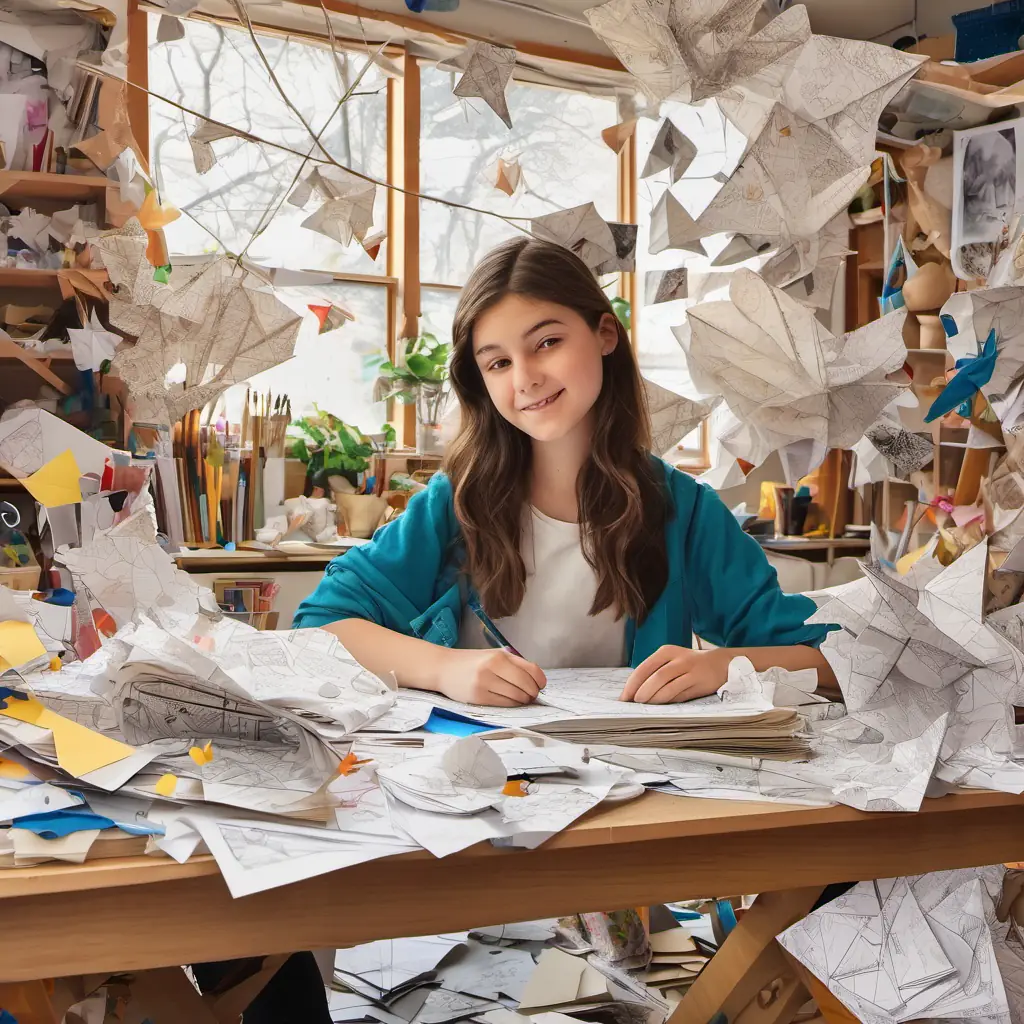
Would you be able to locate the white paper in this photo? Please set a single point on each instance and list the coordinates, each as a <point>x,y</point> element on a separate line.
<point>486,70</point>
<point>256,855</point>
<point>92,345</point>
<point>29,438</point>
<point>784,376</point>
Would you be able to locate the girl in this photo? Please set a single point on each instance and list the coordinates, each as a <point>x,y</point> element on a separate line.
<point>554,519</point>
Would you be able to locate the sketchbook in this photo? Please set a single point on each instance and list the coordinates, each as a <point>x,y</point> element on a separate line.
<point>582,706</point>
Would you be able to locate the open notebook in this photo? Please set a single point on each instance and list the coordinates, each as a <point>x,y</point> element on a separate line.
<point>582,706</point>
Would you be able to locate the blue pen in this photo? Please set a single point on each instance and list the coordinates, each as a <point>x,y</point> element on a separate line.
<point>491,631</point>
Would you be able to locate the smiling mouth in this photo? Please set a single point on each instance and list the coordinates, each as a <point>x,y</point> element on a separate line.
<point>543,403</point>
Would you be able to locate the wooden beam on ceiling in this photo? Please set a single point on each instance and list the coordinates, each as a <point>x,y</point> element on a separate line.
<point>422,25</point>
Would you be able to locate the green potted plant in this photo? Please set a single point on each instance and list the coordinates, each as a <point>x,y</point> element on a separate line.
<point>421,380</point>
<point>330,447</point>
<point>342,450</point>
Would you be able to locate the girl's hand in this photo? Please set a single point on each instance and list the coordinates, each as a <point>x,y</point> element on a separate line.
<point>674,674</point>
<point>492,677</point>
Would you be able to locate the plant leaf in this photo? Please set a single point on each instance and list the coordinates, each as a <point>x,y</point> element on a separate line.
<point>421,366</point>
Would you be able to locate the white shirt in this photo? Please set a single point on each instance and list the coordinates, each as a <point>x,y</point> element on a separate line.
<point>553,627</point>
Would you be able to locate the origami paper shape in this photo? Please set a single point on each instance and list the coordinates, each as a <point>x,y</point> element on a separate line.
<point>581,229</point>
<point>616,137</point>
<point>624,236</point>
<point>786,378</point>
<point>92,345</point>
<point>205,132</point>
<point>486,70</point>
<point>664,285</point>
<point>217,318</point>
<point>673,228</point>
<point>506,175</point>
<point>673,417</point>
<point>348,210</point>
<point>687,49</point>
<point>671,150</point>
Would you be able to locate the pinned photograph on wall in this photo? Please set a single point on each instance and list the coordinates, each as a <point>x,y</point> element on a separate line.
<point>988,195</point>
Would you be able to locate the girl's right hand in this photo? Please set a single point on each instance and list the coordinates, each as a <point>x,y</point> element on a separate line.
<point>492,677</point>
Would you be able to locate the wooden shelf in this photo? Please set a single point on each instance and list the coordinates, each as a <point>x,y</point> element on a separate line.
<point>17,277</point>
<point>46,357</point>
<point>29,186</point>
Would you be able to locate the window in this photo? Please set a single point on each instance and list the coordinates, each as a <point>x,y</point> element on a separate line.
<point>556,135</point>
<point>242,201</point>
<point>438,308</point>
<point>241,204</point>
<point>218,72</point>
<point>719,147</point>
<point>345,360</point>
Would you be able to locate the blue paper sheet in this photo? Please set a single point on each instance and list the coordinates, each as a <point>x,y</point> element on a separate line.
<point>973,373</point>
<point>449,723</point>
<point>56,824</point>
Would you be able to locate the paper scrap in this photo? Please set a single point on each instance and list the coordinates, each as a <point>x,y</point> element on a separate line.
<point>79,750</point>
<point>616,137</point>
<point>57,482</point>
<point>92,345</point>
<point>19,644</point>
<point>166,784</point>
<point>202,755</point>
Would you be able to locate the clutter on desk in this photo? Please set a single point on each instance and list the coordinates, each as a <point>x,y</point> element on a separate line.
<point>248,600</point>
<point>114,671</point>
<point>523,973</point>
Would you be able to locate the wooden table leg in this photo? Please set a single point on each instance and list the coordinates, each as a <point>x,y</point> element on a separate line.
<point>831,1009</point>
<point>28,1002</point>
<point>748,963</point>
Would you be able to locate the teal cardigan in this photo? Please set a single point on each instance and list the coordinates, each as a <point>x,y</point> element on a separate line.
<point>720,585</point>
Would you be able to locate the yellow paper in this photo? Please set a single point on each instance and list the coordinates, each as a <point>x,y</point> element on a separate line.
<point>19,643</point>
<point>904,564</point>
<point>166,785</point>
<point>202,755</point>
<point>79,750</point>
<point>13,770</point>
<point>57,482</point>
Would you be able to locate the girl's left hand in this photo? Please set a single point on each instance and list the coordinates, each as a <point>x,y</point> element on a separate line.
<point>674,674</point>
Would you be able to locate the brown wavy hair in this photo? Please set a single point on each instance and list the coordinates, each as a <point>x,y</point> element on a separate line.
<point>622,498</point>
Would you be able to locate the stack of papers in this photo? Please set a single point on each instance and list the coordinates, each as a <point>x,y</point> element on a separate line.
<point>583,706</point>
<point>675,963</point>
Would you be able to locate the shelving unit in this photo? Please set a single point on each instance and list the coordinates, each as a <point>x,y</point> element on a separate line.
<point>18,277</point>
<point>26,187</point>
<point>47,193</point>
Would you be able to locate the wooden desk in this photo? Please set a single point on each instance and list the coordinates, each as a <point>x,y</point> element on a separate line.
<point>139,912</point>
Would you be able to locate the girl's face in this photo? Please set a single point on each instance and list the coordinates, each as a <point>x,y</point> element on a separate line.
<point>542,364</point>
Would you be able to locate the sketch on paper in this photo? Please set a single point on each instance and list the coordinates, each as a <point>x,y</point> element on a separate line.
<point>988,193</point>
